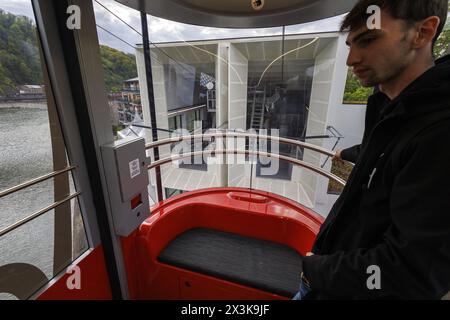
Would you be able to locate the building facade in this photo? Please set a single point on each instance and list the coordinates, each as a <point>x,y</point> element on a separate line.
<point>293,88</point>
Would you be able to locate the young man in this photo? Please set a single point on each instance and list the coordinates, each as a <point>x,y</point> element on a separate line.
<point>388,234</point>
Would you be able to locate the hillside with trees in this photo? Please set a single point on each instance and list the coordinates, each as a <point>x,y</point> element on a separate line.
<point>19,55</point>
<point>118,66</point>
<point>20,61</point>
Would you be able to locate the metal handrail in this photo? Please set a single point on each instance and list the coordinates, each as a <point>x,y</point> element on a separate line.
<point>241,135</point>
<point>247,152</point>
<point>29,183</point>
<point>37,214</point>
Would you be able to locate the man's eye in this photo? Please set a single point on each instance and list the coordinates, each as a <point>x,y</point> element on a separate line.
<point>365,42</point>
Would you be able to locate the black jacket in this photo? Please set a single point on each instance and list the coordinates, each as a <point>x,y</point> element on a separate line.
<point>375,105</point>
<point>394,211</point>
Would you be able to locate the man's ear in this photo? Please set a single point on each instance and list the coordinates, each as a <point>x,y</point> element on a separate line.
<point>426,31</point>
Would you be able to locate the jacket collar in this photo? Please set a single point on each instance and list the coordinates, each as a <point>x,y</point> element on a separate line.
<point>429,93</point>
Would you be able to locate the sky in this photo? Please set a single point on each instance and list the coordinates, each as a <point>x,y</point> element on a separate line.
<point>161,30</point>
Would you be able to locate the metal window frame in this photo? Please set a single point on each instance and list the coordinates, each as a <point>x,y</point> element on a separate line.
<point>76,76</point>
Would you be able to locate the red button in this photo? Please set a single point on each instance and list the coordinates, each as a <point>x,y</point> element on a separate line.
<point>136,201</point>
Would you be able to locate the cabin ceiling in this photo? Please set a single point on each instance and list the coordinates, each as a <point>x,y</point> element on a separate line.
<point>242,13</point>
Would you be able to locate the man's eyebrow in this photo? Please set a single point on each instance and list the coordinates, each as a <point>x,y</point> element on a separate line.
<point>363,34</point>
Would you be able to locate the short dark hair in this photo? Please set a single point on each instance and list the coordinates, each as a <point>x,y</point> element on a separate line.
<point>410,11</point>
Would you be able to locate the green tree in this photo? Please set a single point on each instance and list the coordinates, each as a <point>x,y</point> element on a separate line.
<point>354,92</point>
<point>118,66</point>
<point>19,55</point>
<point>443,42</point>
<point>20,60</point>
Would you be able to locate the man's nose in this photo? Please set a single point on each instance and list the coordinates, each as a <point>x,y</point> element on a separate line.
<point>353,58</point>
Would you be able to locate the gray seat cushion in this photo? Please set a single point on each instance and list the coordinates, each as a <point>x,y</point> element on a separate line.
<point>256,263</point>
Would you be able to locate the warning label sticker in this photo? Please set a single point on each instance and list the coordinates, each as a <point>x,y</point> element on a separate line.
<point>135,169</point>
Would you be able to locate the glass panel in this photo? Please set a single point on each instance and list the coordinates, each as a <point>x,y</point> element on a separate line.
<point>31,145</point>
<point>35,197</point>
<point>354,92</point>
<point>175,123</point>
<point>172,192</point>
<point>289,94</point>
<point>274,86</point>
<point>30,136</point>
<point>442,46</point>
<point>193,118</point>
<point>119,64</point>
<point>288,82</point>
<point>31,255</point>
<point>25,137</point>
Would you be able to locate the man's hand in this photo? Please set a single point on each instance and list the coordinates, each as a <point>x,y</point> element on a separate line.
<point>303,277</point>
<point>337,156</point>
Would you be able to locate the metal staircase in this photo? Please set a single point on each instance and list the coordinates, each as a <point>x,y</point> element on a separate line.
<point>257,98</point>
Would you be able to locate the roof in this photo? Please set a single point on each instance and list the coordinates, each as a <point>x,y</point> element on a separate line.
<point>31,86</point>
<point>132,79</point>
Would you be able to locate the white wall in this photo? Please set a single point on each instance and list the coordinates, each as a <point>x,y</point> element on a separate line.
<point>222,103</point>
<point>322,98</point>
<point>237,95</point>
<point>222,85</point>
<point>347,119</point>
<point>237,111</point>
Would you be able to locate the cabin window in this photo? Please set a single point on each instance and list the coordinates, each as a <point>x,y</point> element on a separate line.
<point>41,225</point>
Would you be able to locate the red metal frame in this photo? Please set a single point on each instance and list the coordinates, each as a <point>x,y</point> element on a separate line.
<point>253,213</point>
<point>94,282</point>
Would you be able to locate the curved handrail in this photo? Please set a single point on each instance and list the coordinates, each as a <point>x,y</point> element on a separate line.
<point>37,214</point>
<point>241,135</point>
<point>247,152</point>
<point>29,183</point>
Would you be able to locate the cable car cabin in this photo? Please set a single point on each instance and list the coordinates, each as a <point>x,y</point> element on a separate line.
<point>216,178</point>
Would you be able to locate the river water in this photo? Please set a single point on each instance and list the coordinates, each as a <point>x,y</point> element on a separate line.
<point>26,153</point>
